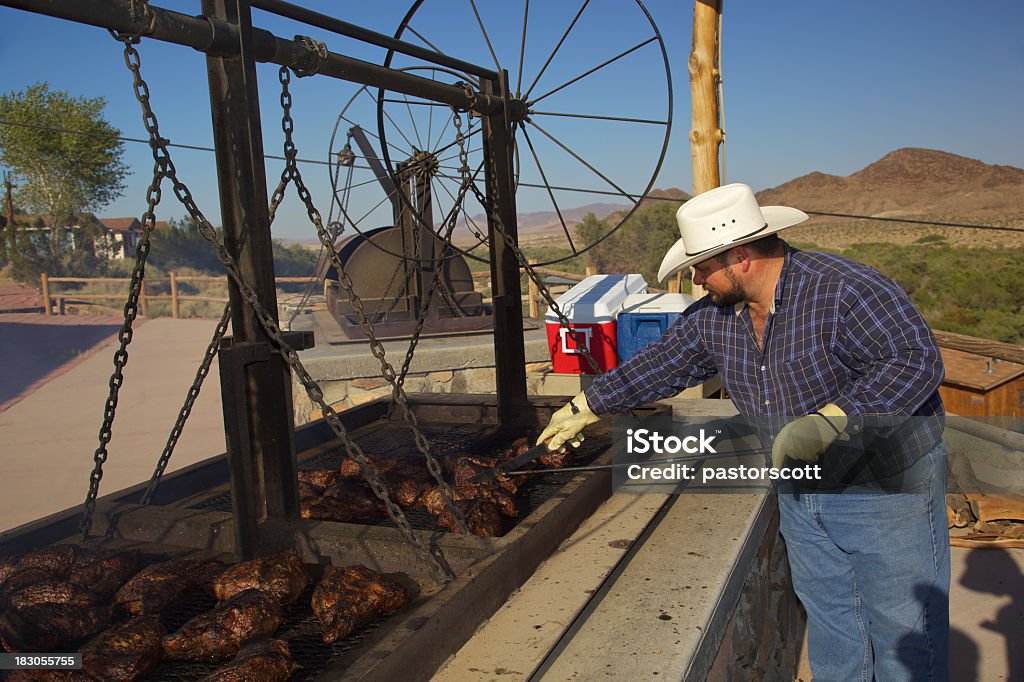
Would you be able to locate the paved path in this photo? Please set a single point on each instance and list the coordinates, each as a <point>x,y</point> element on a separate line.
<point>47,438</point>
<point>35,349</point>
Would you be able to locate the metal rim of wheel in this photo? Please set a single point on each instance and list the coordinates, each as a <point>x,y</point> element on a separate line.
<point>543,143</point>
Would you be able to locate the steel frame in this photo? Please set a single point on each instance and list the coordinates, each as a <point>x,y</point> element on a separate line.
<point>260,432</point>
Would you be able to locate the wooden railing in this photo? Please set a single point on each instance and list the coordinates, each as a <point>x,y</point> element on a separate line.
<point>54,301</point>
<point>176,298</point>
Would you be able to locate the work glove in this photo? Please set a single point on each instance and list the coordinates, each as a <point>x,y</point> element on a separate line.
<point>806,438</point>
<point>566,424</point>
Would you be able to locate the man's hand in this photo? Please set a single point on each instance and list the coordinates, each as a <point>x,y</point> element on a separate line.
<point>566,424</point>
<point>806,438</point>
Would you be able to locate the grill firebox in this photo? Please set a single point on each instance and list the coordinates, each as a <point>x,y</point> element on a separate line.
<point>192,510</point>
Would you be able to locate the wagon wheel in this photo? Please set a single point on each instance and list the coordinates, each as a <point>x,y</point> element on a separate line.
<point>362,202</point>
<point>594,133</point>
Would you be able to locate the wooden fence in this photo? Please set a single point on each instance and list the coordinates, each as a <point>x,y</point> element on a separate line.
<point>54,301</point>
<point>50,298</point>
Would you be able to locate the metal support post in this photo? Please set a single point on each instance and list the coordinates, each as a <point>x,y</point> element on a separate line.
<point>258,406</point>
<point>509,353</point>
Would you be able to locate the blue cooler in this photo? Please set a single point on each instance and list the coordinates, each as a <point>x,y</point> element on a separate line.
<point>644,319</point>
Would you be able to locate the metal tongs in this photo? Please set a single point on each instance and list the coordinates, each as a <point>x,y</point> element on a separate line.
<point>510,465</point>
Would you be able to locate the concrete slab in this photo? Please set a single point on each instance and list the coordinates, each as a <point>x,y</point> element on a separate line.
<point>48,438</point>
<point>986,605</point>
<point>651,610</point>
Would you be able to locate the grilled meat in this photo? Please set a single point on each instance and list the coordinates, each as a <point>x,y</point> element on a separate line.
<point>56,560</point>
<point>344,501</point>
<point>52,592</point>
<point>381,464</point>
<point>433,501</point>
<point>125,652</point>
<point>23,579</point>
<point>318,478</point>
<point>558,459</point>
<point>104,573</point>
<point>50,627</point>
<point>261,660</point>
<point>483,518</point>
<point>217,635</point>
<point>308,492</point>
<point>156,586</point>
<point>469,466</point>
<point>349,597</point>
<point>281,575</point>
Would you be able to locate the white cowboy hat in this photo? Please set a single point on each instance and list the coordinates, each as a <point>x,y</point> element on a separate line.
<point>719,219</point>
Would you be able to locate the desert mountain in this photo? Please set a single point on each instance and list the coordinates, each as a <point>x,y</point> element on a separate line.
<point>911,182</point>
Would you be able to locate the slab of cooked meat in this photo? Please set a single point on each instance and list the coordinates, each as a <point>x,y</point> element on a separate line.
<point>281,575</point>
<point>433,501</point>
<point>217,635</point>
<point>483,518</point>
<point>154,587</point>
<point>318,478</point>
<point>56,560</point>
<point>558,459</point>
<point>104,573</point>
<point>126,652</point>
<point>343,501</point>
<point>50,627</point>
<point>349,597</point>
<point>468,466</point>
<point>381,463</point>
<point>52,592</point>
<point>261,660</point>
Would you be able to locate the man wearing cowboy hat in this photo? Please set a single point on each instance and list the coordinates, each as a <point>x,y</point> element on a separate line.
<point>832,364</point>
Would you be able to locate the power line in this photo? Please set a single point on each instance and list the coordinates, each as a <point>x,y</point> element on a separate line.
<point>997,228</point>
<point>1000,228</point>
<point>122,138</point>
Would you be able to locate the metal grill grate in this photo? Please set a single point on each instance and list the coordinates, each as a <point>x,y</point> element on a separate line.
<point>445,439</point>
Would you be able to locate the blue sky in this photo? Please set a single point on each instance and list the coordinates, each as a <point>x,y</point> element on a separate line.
<point>829,86</point>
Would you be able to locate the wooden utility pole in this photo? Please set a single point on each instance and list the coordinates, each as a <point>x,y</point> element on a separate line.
<point>12,236</point>
<point>706,134</point>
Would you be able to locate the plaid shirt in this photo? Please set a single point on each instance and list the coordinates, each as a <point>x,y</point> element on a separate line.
<point>840,332</point>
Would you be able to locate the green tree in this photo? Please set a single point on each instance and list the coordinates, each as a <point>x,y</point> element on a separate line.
<point>66,155</point>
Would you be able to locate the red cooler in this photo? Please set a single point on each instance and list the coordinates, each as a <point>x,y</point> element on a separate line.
<point>591,307</point>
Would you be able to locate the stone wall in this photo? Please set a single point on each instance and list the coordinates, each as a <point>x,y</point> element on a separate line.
<point>763,638</point>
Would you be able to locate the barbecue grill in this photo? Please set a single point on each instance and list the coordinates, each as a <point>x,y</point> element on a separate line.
<point>192,509</point>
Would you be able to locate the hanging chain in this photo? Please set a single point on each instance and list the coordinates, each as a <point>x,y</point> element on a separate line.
<point>376,347</point>
<point>131,309</point>
<point>431,555</point>
<point>190,401</point>
<point>563,321</point>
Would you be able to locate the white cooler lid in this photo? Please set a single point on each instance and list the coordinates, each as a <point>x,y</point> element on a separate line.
<point>598,298</point>
<point>657,303</point>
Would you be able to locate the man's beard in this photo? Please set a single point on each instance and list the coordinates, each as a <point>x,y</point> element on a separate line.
<point>735,294</point>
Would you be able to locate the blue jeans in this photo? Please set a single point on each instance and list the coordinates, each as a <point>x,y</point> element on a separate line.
<point>872,571</point>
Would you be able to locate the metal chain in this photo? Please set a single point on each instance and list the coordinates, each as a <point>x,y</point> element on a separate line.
<point>376,347</point>
<point>190,401</point>
<point>131,309</point>
<point>311,285</point>
<point>563,321</point>
<point>431,555</point>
